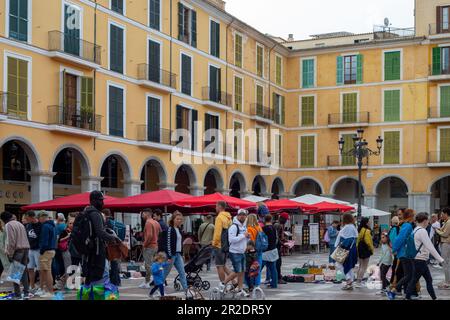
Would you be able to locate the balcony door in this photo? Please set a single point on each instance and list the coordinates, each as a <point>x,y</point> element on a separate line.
<point>214,84</point>
<point>72,30</point>
<point>154,61</point>
<point>443,19</point>
<point>154,119</point>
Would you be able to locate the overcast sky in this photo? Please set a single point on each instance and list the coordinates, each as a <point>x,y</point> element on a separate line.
<point>307,17</point>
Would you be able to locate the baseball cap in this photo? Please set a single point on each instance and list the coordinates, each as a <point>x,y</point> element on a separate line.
<point>96,195</point>
<point>242,212</point>
<point>42,214</point>
<point>284,215</point>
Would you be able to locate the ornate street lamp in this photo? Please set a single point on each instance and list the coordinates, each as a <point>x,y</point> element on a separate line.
<point>360,151</point>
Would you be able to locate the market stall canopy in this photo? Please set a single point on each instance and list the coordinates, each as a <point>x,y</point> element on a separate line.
<point>332,207</point>
<point>76,202</point>
<point>209,202</point>
<point>312,199</point>
<point>371,212</point>
<point>156,199</point>
<point>255,199</point>
<point>285,204</point>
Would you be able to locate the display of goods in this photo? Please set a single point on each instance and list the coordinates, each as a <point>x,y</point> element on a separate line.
<point>294,278</point>
<point>300,271</point>
<point>309,278</point>
<point>319,277</point>
<point>315,271</point>
<point>329,275</point>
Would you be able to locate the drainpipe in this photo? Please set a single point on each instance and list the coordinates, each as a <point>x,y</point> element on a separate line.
<point>170,69</point>
<point>270,83</point>
<point>95,70</point>
<point>226,90</point>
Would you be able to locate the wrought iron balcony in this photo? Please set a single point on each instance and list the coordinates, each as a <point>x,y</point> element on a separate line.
<point>341,161</point>
<point>260,111</point>
<point>156,75</point>
<point>154,134</point>
<point>68,44</point>
<point>76,117</point>
<point>438,157</point>
<point>349,119</point>
<point>212,95</point>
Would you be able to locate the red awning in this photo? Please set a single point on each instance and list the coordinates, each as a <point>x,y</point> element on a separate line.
<point>285,204</point>
<point>210,201</point>
<point>76,202</point>
<point>332,207</point>
<point>156,199</point>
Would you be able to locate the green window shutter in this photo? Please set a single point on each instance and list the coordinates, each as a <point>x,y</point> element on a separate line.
<point>346,159</point>
<point>87,94</point>
<point>274,113</point>
<point>215,39</point>
<point>153,119</point>
<point>444,108</point>
<point>259,95</point>
<point>155,7</point>
<point>349,108</point>
<point>238,50</point>
<point>17,99</point>
<point>117,6</point>
<point>238,93</point>
<point>193,28</point>
<point>392,105</point>
<point>308,73</point>
<point>392,66</point>
<point>307,152</point>
<point>278,70</point>
<point>18,19</point>
<point>186,74</point>
<point>359,68</point>
<point>339,70</point>
<point>444,152</point>
<point>307,111</point>
<point>436,61</point>
<point>282,111</point>
<point>193,132</point>
<point>180,21</point>
<point>115,111</point>
<point>259,61</point>
<point>392,147</point>
<point>116,50</point>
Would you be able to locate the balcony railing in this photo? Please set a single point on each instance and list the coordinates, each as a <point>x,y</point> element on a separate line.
<point>154,134</point>
<point>348,118</point>
<point>61,42</point>
<point>382,32</point>
<point>438,113</point>
<point>439,157</point>
<point>258,110</point>
<point>160,76</point>
<point>434,28</point>
<point>211,94</point>
<point>344,161</point>
<point>73,116</point>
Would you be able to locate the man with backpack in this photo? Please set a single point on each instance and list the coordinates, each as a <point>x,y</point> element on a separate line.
<point>206,234</point>
<point>238,238</point>
<point>89,237</point>
<point>120,230</point>
<point>220,240</point>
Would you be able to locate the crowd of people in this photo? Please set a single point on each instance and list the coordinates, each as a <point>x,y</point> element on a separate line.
<point>250,242</point>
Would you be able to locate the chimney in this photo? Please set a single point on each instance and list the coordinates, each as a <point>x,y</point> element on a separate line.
<point>291,37</point>
<point>217,3</point>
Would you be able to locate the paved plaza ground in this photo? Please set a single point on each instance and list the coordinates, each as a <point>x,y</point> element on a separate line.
<point>290,291</point>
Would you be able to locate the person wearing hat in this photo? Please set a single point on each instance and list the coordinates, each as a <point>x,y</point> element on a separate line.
<point>238,238</point>
<point>47,247</point>
<point>279,227</point>
<point>94,265</point>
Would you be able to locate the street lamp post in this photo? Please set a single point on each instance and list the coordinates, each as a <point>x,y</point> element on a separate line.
<point>360,151</point>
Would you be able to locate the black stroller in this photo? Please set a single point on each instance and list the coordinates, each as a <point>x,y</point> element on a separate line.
<point>192,269</point>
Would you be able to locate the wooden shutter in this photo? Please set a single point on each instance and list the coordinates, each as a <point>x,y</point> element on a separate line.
<point>116,111</point>
<point>392,105</point>
<point>444,140</point>
<point>71,35</point>
<point>153,120</point>
<point>307,151</point>
<point>359,68</point>
<point>154,61</point>
<point>215,39</point>
<point>238,93</point>
<point>17,100</point>
<point>193,132</point>
<point>275,106</point>
<point>339,70</point>
<point>444,108</point>
<point>349,108</point>
<point>154,14</point>
<point>436,61</point>
<point>392,147</point>
<point>438,19</point>
<point>116,50</point>
<point>392,66</point>
<point>346,159</point>
<point>307,111</point>
<point>180,21</point>
<point>186,74</point>
<point>87,94</point>
<point>193,28</point>
<point>282,115</point>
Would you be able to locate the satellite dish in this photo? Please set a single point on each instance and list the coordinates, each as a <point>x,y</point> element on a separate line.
<point>386,22</point>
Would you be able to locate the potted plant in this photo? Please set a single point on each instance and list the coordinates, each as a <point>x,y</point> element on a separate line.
<point>87,117</point>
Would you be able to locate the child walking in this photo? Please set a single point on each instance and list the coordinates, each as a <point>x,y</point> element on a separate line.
<point>385,261</point>
<point>158,273</point>
<point>252,266</point>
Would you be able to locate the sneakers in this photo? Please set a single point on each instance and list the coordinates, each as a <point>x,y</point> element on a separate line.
<point>347,287</point>
<point>39,292</point>
<point>358,284</point>
<point>391,295</point>
<point>144,285</point>
<point>47,295</point>
<point>243,294</point>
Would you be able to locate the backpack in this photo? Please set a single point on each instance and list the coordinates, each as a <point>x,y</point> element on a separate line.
<point>410,246</point>
<point>118,227</point>
<point>224,241</point>
<point>82,236</point>
<point>262,242</point>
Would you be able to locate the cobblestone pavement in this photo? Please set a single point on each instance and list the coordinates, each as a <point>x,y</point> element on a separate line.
<point>290,291</point>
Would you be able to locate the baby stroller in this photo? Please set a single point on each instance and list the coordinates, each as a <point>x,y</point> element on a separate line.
<point>192,269</point>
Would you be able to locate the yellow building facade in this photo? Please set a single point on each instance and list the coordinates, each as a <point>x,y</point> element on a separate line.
<point>94,92</point>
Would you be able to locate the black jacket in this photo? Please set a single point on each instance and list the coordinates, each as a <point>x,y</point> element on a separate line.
<point>169,242</point>
<point>271,233</point>
<point>33,233</point>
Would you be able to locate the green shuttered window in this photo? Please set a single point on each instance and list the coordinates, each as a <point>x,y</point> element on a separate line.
<point>308,73</point>
<point>436,61</point>
<point>117,6</point>
<point>348,159</point>
<point>307,111</point>
<point>392,105</point>
<point>307,151</point>
<point>278,70</point>
<point>116,49</point>
<point>18,19</point>
<point>392,66</point>
<point>259,61</point>
<point>215,39</point>
<point>154,119</point>
<point>444,108</point>
<point>238,50</point>
<point>349,107</point>
<point>444,145</point>
<point>186,73</point>
<point>87,94</point>
<point>238,93</point>
<point>17,99</point>
<point>116,111</point>
<point>392,147</point>
<point>155,7</point>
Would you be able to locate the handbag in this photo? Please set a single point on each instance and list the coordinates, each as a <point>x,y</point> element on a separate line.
<point>63,245</point>
<point>16,270</point>
<point>116,251</point>
<point>363,249</point>
<point>340,254</point>
<point>271,255</point>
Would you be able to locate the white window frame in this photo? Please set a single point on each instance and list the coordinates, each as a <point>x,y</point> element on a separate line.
<point>383,90</point>
<point>30,21</point>
<point>300,117</point>
<point>234,92</point>
<point>439,86</point>
<point>29,59</point>
<point>161,100</point>
<point>211,19</point>
<point>263,59</point>
<point>124,88</point>
<point>299,163</point>
<point>315,71</point>
<point>73,72</point>
<point>161,52</point>
<point>190,129</point>
<point>342,104</point>
<point>192,71</point>
<point>237,33</point>
<point>209,73</point>
<point>124,7</point>
<point>160,15</point>
<point>439,128</point>
<point>258,84</point>
<point>383,57</point>
<point>281,57</point>
<point>400,158</point>
<point>80,9</point>
<point>123,27</point>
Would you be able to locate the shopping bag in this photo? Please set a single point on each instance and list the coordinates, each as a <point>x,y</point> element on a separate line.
<point>101,292</point>
<point>16,270</point>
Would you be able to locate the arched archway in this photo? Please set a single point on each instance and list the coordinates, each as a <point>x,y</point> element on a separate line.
<point>307,186</point>
<point>153,174</point>
<point>237,184</point>
<point>69,164</point>
<point>184,179</point>
<point>392,193</point>
<point>213,181</point>
<point>346,189</point>
<point>259,186</point>
<point>115,171</point>
<point>440,193</point>
<point>277,188</point>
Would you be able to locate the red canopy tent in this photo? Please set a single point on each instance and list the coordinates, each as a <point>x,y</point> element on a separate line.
<point>209,202</point>
<point>157,199</point>
<point>76,202</point>
<point>332,207</point>
<point>285,204</point>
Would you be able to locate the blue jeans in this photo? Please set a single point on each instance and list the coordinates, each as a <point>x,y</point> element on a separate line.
<point>272,271</point>
<point>332,248</point>
<point>178,262</point>
<point>114,273</point>
<point>238,261</point>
